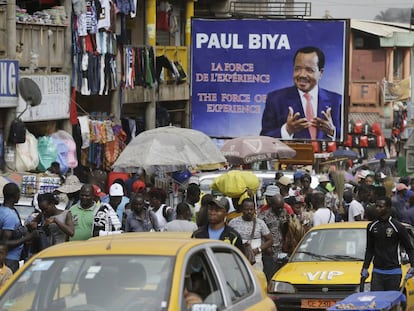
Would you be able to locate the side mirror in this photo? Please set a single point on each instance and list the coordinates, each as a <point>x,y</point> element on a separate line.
<point>283,258</point>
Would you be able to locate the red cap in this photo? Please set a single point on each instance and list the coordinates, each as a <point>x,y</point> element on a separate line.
<point>98,192</point>
<point>138,186</point>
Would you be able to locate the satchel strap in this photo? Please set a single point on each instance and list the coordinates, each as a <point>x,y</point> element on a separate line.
<point>254,228</point>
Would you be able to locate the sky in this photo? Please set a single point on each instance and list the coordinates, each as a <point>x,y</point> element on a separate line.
<point>358,9</point>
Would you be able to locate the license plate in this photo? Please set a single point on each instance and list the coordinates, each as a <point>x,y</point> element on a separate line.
<point>316,303</point>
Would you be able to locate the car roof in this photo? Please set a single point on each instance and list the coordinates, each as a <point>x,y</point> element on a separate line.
<point>343,225</point>
<point>150,243</point>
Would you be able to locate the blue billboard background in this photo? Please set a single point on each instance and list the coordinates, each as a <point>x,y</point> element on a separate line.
<point>263,49</point>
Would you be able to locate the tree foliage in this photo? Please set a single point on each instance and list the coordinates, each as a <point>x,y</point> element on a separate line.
<point>394,15</point>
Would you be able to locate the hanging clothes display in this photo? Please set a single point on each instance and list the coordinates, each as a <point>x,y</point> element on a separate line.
<point>94,42</point>
<point>139,67</point>
<point>106,141</point>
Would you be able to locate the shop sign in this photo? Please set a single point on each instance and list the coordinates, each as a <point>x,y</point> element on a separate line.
<point>9,76</point>
<point>55,90</point>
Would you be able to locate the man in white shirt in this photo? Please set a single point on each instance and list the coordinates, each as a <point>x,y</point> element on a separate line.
<point>356,209</point>
<point>183,221</point>
<point>322,215</point>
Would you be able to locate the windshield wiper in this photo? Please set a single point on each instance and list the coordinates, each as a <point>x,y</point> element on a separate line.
<point>346,257</point>
<point>315,255</point>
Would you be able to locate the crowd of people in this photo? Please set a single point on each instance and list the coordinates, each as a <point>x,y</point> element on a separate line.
<point>266,234</point>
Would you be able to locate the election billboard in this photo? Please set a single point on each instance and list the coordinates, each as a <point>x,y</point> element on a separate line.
<point>280,78</point>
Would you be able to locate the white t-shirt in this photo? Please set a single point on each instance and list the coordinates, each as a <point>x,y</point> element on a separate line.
<point>160,217</point>
<point>104,19</point>
<point>180,225</point>
<point>355,208</point>
<point>323,216</point>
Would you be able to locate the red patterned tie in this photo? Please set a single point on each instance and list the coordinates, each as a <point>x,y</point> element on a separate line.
<point>310,115</point>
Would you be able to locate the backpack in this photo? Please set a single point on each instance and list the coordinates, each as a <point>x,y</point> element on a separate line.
<point>17,133</point>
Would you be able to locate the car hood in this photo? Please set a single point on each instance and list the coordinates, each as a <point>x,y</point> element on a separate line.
<point>332,272</point>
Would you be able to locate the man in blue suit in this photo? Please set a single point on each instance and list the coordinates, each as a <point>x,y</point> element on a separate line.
<point>304,111</point>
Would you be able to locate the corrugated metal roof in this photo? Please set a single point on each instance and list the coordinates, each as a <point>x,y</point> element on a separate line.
<point>381,29</point>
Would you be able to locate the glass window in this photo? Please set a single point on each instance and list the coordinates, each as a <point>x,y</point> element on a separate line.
<point>332,244</point>
<point>237,277</point>
<point>201,280</point>
<point>109,282</point>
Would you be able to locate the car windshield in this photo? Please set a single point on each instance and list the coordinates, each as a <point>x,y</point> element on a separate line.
<point>331,245</point>
<point>92,283</point>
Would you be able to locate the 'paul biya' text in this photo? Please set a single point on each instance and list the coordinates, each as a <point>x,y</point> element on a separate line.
<point>232,41</point>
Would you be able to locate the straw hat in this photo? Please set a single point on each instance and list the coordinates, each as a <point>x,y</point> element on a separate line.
<point>71,185</point>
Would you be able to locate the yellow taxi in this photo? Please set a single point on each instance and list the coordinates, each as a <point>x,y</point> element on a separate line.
<point>137,271</point>
<point>325,268</point>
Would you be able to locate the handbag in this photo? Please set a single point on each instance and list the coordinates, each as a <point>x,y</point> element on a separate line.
<point>248,250</point>
<point>110,228</point>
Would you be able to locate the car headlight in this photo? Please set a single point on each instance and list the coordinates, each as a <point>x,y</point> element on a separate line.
<point>281,287</point>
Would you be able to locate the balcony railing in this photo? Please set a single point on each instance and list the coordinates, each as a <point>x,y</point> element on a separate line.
<point>270,9</point>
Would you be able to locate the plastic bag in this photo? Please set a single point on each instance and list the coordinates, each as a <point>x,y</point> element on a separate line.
<point>27,156</point>
<point>69,158</point>
<point>235,183</point>
<point>62,154</point>
<point>48,152</point>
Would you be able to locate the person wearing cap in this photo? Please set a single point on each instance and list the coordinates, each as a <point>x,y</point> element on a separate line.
<point>385,235</point>
<point>83,213</point>
<point>379,179</point>
<point>276,219</point>
<point>71,188</point>
<point>99,194</point>
<point>297,203</point>
<point>118,201</point>
<point>271,190</point>
<point>260,239</point>
<point>138,186</point>
<point>366,177</point>
<point>106,218</point>
<point>323,183</point>
<point>216,228</point>
<point>284,183</point>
